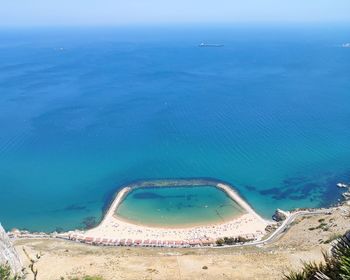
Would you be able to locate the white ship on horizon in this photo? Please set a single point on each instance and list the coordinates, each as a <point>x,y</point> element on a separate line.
<point>210,45</point>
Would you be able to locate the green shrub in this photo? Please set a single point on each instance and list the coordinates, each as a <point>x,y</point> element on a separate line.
<point>220,242</point>
<point>6,273</point>
<point>335,266</point>
<point>231,240</point>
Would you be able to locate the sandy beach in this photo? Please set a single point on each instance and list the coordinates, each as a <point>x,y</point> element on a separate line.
<point>115,230</point>
<point>298,244</point>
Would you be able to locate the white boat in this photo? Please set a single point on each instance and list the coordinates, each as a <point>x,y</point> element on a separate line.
<point>346,45</point>
<point>341,185</point>
<point>210,45</point>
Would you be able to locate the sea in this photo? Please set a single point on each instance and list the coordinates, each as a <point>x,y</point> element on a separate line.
<point>180,206</point>
<point>85,111</point>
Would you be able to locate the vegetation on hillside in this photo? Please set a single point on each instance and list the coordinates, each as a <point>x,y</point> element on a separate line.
<point>336,266</point>
<point>6,273</point>
<point>32,263</point>
<point>231,240</point>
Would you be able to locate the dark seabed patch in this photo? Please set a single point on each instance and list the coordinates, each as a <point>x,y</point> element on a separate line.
<point>75,207</point>
<point>152,195</point>
<point>147,195</point>
<point>89,222</point>
<point>322,189</point>
<point>250,188</point>
<point>71,207</point>
<point>184,205</point>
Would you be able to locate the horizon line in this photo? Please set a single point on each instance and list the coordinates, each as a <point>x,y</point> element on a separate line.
<point>178,24</point>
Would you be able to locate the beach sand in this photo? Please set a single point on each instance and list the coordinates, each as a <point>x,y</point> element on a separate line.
<point>69,259</point>
<point>249,225</point>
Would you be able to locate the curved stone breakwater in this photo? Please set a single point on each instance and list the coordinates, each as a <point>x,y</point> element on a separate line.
<point>226,188</point>
<point>113,229</point>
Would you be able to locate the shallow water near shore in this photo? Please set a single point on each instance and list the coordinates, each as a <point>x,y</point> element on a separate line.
<point>178,206</point>
<point>84,112</point>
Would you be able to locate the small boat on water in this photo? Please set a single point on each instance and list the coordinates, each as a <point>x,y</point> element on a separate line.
<point>346,45</point>
<point>203,45</point>
<point>342,185</point>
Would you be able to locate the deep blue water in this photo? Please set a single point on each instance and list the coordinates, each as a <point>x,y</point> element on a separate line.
<point>268,112</point>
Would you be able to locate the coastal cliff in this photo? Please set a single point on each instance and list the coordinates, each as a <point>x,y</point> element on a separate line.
<point>8,253</point>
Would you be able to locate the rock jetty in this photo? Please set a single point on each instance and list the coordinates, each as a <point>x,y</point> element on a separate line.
<point>280,215</point>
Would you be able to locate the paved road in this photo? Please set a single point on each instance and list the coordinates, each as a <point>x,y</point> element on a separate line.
<point>281,229</point>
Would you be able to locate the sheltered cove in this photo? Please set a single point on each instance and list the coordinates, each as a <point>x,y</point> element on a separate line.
<point>227,189</point>
<point>177,206</point>
<point>116,231</point>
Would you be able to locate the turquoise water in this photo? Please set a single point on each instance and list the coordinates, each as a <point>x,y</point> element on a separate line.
<point>178,206</point>
<point>268,113</point>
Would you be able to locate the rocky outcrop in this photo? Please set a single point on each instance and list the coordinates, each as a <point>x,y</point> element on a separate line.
<point>346,195</point>
<point>280,215</point>
<point>8,253</point>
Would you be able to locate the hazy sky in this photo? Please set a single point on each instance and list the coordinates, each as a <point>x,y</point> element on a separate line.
<point>116,12</point>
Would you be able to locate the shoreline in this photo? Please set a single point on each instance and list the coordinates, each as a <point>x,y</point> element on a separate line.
<point>224,187</point>
<point>274,235</point>
<point>220,187</point>
<point>112,231</point>
<point>249,225</point>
